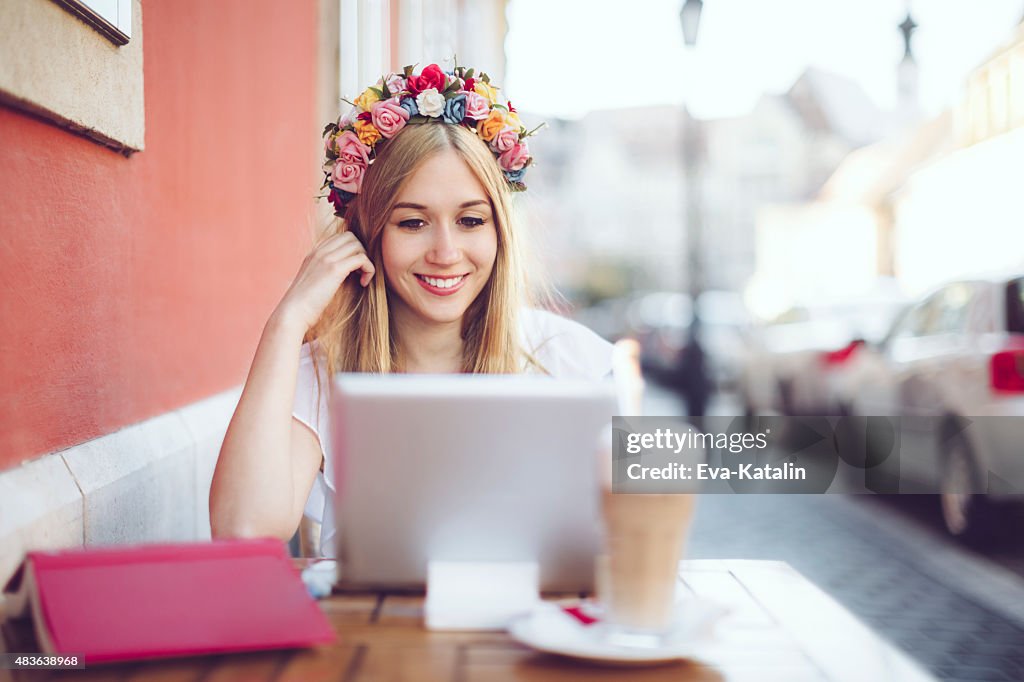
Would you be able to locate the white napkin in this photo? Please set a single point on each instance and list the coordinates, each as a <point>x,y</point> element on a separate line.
<point>478,595</point>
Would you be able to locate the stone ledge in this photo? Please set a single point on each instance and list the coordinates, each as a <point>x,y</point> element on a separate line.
<point>148,482</point>
<point>40,508</point>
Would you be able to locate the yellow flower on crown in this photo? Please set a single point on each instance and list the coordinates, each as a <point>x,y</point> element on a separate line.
<point>513,119</point>
<point>366,100</point>
<point>492,125</point>
<point>366,132</point>
<point>487,91</point>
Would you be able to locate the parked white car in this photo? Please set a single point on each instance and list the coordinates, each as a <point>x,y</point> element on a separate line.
<point>957,353</point>
<point>791,363</point>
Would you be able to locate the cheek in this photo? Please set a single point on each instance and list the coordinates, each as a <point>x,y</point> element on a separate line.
<point>485,250</point>
<point>394,253</point>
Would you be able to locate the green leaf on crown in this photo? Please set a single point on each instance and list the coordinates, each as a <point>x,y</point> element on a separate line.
<point>542,125</point>
<point>469,74</point>
<point>407,71</point>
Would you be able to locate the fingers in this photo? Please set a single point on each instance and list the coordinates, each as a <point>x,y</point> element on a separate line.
<point>338,241</point>
<point>343,254</point>
<point>336,249</point>
<point>360,262</point>
<point>368,271</point>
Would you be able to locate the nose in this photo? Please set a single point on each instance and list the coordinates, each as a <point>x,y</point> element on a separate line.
<point>443,247</point>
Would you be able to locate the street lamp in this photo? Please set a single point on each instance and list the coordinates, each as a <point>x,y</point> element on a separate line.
<point>689,17</point>
<point>691,371</point>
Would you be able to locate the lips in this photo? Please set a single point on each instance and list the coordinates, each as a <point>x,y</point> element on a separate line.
<point>441,286</point>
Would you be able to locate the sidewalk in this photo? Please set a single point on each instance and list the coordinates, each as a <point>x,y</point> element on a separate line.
<point>959,616</point>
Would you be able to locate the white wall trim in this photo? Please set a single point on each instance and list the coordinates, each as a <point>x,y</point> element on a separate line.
<point>148,482</point>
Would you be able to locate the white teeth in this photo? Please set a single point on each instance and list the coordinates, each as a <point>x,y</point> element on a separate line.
<point>442,283</point>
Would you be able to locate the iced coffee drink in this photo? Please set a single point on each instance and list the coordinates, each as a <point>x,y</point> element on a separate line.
<point>645,538</point>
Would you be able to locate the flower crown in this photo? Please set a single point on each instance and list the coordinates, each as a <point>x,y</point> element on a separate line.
<point>458,97</point>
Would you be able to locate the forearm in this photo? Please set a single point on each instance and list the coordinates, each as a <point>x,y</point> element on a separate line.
<point>252,492</point>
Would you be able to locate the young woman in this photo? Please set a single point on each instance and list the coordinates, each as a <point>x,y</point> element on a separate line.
<point>421,274</point>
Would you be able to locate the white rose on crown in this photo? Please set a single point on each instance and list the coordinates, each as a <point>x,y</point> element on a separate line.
<point>430,102</point>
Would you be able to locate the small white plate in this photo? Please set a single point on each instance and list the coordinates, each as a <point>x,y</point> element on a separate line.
<point>550,629</point>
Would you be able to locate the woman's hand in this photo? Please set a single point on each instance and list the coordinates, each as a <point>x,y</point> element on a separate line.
<point>321,275</point>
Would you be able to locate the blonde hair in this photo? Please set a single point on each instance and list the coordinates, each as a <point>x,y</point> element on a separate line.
<point>355,332</point>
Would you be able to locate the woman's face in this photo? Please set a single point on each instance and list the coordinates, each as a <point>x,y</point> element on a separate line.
<point>440,242</point>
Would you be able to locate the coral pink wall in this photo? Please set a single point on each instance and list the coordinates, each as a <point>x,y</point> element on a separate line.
<point>132,286</point>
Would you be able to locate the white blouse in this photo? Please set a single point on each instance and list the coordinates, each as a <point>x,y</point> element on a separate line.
<point>566,349</point>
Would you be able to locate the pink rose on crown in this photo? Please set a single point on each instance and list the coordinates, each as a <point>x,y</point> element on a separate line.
<point>396,84</point>
<point>477,106</point>
<point>348,176</point>
<point>351,150</point>
<point>515,158</point>
<point>388,117</point>
<point>505,140</point>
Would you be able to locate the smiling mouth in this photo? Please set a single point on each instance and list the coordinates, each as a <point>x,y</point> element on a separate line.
<point>442,282</point>
<point>442,286</point>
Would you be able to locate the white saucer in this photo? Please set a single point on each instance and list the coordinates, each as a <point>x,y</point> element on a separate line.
<point>550,629</point>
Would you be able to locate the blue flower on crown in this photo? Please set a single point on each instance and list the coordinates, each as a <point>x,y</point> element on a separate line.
<point>515,176</point>
<point>409,104</point>
<point>455,109</point>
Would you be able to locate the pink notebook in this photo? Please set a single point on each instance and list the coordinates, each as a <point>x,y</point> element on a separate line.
<point>151,601</point>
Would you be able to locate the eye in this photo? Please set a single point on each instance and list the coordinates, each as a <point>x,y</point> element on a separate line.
<point>411,224</point>
<point>471,221</point>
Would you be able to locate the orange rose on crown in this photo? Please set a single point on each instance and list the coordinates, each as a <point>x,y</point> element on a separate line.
<point>381,111</point>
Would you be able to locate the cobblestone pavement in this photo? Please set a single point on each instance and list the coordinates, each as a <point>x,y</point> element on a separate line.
<point>957,612</point>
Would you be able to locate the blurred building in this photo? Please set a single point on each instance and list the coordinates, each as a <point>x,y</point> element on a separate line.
<point>838,239</point>
<point>612,187</point>
<point>937,201</point>
<point>607,210</point>
<point>783,151</point>
<point>961,213</point>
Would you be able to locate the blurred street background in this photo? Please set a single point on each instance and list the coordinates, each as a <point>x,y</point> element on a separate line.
<point>808,208</point>
<point>795,207</point>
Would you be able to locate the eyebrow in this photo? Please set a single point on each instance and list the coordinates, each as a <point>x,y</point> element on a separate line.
<point>421,207</point>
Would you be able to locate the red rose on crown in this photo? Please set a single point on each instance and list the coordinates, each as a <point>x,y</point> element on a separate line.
<point>431,77</point>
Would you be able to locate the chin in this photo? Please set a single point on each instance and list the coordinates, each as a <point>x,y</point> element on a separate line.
<point>441,315</point>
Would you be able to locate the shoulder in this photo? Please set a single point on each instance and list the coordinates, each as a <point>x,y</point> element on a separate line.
<point>564,348</point>
<point>312,354</point>
<point>310,393</point>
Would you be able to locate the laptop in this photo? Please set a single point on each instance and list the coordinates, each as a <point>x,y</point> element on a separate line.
<point>476,468</point>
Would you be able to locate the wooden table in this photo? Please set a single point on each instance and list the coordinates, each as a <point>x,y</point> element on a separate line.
<point>780,627</point>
